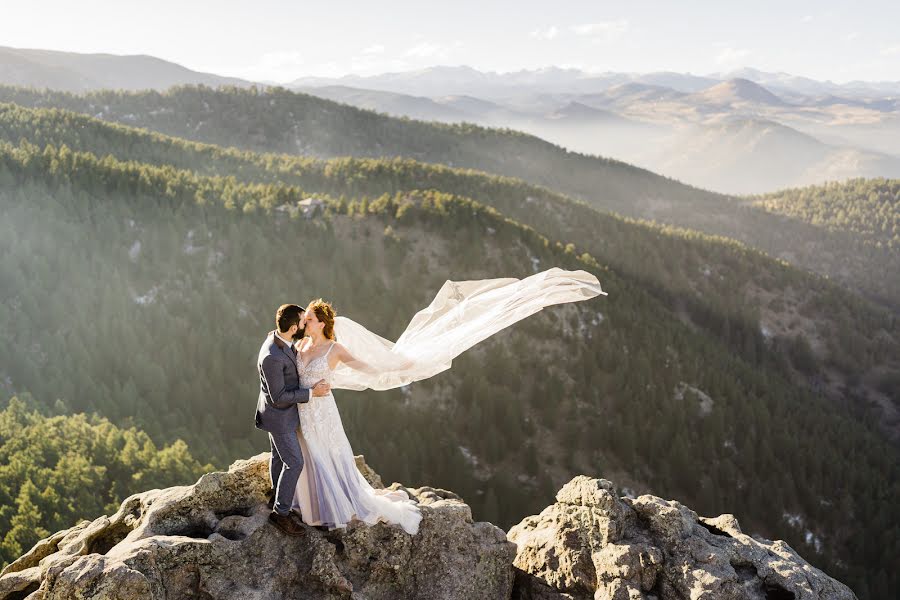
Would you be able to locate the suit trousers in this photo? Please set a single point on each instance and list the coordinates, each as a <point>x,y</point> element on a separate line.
<point>284,468</point>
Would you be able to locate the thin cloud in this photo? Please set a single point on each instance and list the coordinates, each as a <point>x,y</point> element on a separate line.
<point>732,55</point>
<point>374,49</point>
<point>433,49</point>
<point>277,60</point>
<point>545,34</point>
<point>602,31</point>
<point>371,64</point>
<point>891,50</point>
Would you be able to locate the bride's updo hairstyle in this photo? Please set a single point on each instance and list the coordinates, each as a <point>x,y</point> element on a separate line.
<point>324,313</point>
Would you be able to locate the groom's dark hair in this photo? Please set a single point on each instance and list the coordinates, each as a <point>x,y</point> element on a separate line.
<point>287,316</point>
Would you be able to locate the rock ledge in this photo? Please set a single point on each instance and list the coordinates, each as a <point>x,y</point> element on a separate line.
<point>212,540</point>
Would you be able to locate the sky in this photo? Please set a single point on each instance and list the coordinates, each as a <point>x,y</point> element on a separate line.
<point>267,40</point>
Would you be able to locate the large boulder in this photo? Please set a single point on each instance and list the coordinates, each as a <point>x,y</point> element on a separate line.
<point>212,540</point>
<point>594,544</point>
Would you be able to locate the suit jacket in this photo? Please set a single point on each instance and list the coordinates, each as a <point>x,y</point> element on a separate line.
<point>279,387</point>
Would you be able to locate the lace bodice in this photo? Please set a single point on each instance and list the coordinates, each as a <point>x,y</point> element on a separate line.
<point>319,412</point>
<point>316,369</point>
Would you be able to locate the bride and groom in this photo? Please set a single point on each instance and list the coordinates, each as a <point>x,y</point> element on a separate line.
<point>312,469</point>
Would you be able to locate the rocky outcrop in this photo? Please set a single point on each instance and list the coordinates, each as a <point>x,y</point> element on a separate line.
<point>212,540</point>
<point>594,544</point>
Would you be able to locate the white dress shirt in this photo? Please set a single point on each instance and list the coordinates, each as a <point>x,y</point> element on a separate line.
<point>282,339</point>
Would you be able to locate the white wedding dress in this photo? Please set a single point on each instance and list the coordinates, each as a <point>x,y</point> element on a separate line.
<point>331,491</point>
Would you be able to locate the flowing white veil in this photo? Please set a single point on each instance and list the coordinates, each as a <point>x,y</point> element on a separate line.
<point>462,314</point>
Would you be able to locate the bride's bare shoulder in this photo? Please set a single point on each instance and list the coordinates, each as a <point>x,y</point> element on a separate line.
<point>335,355</point>
<point>339,352</point>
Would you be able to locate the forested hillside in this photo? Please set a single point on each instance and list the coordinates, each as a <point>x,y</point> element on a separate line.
<point>822,337</point>
<point>142,292</point>
<point>57,470</point>
<point>279,120</point>
<point>868,208</point>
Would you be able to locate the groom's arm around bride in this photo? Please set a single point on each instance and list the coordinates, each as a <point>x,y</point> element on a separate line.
<point>280,394</point>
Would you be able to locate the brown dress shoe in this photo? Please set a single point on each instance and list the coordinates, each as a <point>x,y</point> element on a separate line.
<point>286,523</point>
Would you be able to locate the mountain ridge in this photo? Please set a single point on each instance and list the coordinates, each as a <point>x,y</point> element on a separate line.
<point>623,243</point>
<point>598,81</point>
<point>285,121</point>
<point>737,89</point>
<point>75,62</point>
<point>78,72</point>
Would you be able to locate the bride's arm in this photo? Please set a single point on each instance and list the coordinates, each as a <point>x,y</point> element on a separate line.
<point>342,355</point>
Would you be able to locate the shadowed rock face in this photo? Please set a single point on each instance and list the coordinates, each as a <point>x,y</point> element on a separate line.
<point>592,544</point>
<point>212,540</point>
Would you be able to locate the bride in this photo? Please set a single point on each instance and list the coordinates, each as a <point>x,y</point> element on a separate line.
<point>331,491</point>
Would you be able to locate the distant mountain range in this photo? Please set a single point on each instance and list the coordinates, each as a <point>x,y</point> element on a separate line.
<point>740,132</point>
<point>445,80</point>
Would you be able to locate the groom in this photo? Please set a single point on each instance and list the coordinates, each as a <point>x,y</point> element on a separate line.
<point>276,411</point>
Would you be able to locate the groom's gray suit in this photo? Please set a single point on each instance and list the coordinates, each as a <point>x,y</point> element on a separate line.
<point>276,412</point>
